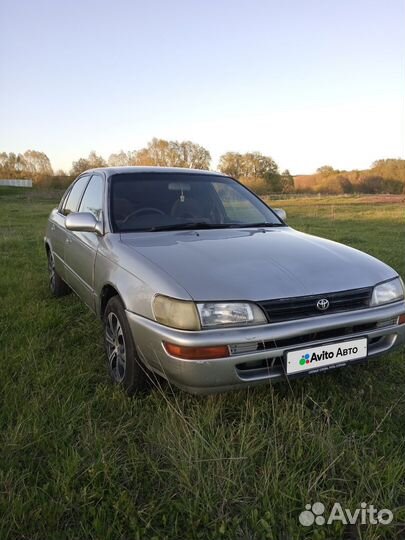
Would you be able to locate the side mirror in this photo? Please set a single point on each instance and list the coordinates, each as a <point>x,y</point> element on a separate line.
<point>281,213</point>
<point>83,222</point>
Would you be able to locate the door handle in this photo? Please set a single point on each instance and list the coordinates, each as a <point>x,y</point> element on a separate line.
<point>53,227</point>
<point>68,241</point>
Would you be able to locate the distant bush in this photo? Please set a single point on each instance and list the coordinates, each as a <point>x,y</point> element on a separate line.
<point>326,181</point>
<point>258,185</point>
<point>389,169</point>
<point>377,184</point>
<point>54,182</point>
<point>336,184</point>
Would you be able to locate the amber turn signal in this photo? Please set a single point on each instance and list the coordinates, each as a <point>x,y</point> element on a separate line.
<point>197,353</point>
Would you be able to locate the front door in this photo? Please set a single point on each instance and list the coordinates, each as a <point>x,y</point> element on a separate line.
<point>81,247</point>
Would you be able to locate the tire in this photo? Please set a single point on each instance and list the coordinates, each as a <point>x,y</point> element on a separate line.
<point>124,365</point>
<point>56,284</point>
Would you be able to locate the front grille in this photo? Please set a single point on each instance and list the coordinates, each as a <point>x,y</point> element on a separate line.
<point>322,336</point>
<point>275,366</point>
<point>301,307</point>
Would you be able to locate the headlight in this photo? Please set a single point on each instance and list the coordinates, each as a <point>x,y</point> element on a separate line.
<point>230,314</point>
<point>387,292</point>
<point>180,314</point>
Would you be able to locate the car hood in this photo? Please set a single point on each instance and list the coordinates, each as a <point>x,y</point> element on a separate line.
<point>256,264</point>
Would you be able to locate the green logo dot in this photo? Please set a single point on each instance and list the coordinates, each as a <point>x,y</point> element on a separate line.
<point>302,361</point>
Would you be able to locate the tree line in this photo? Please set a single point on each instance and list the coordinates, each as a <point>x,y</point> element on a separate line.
<point>384,176</point>
<point>258,171</point>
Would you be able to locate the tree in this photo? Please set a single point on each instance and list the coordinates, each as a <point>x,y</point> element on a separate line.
<point>393,169</point>
<point>96,161</point>
<point>371,184</point>
<point>260,166</point>
<point>162,153</point>
<point>231,164</point>
<point>274,183</point>
<point>9,166</point>
<point>259,172</point>
<point>32,164</point>
<point>158,153</point>
<point>286,182</point>
<point>82,164</point>
<point>120,159</point>
<point>345,185</point>
<point>37,164</point>
<point>190,155</point>
<point>326,170</point>
<point>249,165</point>
<point>79,166</point>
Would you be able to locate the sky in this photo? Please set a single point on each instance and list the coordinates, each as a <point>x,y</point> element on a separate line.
<point>309,82</point>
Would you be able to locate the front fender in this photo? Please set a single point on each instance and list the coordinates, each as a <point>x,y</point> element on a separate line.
<point>134,277</point>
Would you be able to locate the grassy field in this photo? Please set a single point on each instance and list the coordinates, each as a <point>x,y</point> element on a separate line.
<point>79,460</point>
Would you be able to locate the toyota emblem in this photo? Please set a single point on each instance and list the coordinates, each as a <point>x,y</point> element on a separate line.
<point>322,304</point>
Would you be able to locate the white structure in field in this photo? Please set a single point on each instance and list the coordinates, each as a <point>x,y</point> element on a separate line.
<point>16,183</point>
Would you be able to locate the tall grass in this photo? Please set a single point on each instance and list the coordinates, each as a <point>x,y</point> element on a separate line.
<point>79,460</point>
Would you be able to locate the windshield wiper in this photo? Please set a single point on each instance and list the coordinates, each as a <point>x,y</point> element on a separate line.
<point>188,226</point>
<point>204,225</point>
<point>259,224</point>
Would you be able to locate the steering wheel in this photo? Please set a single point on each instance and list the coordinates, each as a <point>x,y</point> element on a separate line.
<point>148,210</point>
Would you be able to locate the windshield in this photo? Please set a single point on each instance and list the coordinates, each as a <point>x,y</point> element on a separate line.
<point>164,201</point>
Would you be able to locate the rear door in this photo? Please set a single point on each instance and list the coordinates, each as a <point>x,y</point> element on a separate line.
<point>81,247</point>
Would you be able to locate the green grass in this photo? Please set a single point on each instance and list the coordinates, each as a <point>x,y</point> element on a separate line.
<point>79,460</point>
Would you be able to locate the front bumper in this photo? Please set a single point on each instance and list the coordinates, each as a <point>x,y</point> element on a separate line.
<point>258,352</point>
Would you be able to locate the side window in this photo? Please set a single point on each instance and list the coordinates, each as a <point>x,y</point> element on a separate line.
<point>73,199</point>
<point>93,197</point>
<point>63,199</point>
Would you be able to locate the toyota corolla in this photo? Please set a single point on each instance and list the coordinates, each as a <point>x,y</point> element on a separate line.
<point>196,279</point>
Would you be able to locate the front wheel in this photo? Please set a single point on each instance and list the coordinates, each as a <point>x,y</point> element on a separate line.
<point>123,362</point>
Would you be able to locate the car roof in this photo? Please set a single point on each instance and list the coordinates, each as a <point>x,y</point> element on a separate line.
<point>109,171</point>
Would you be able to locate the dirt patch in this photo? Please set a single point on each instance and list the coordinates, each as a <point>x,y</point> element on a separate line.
<point>382,199</point>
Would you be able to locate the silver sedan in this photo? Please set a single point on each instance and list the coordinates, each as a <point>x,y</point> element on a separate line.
<point>200,282</point>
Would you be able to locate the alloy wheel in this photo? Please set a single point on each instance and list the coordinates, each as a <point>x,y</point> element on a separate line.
<point>51,271</point>
<point>116,351</point>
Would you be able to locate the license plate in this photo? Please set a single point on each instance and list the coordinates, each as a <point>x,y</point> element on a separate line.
<point>326,355</point>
